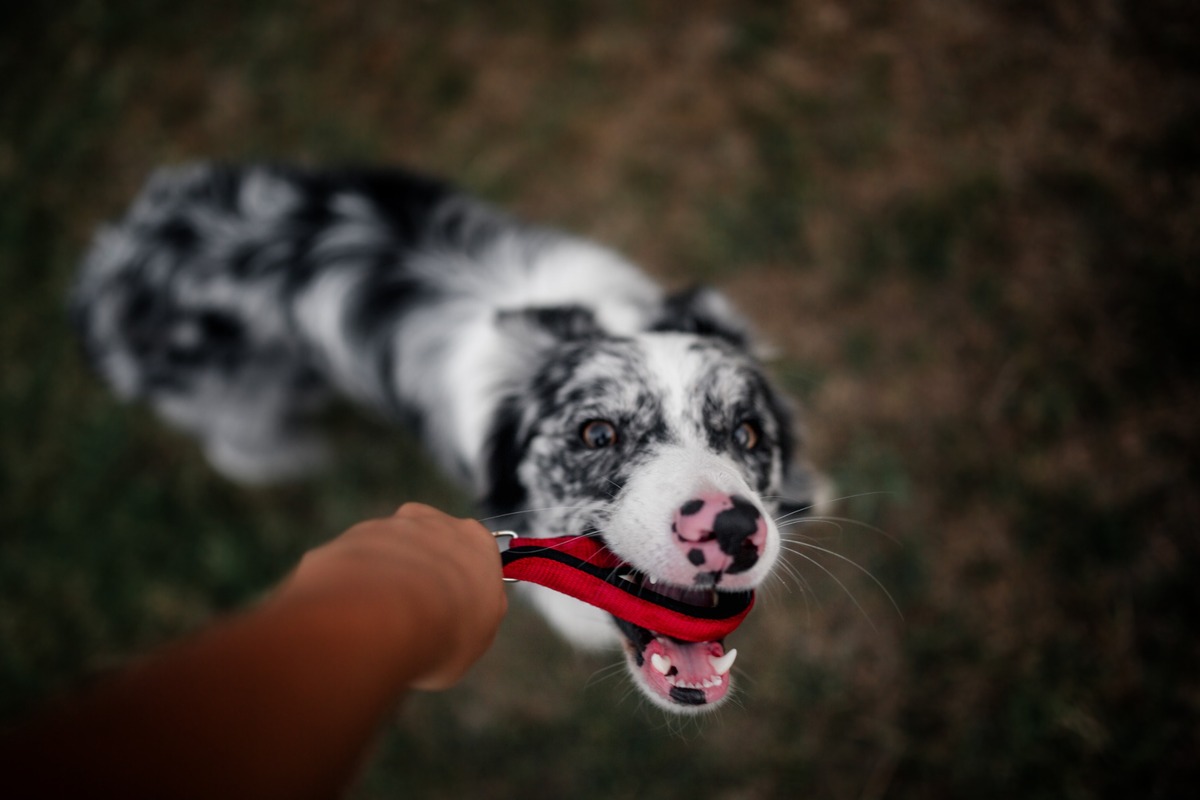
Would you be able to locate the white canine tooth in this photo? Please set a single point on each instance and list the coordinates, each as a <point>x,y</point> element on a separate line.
<point>661,663</point>
<point>653,580</point>
<point>723,664</point>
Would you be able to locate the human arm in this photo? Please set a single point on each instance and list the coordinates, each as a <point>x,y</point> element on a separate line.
<point>282,700</point>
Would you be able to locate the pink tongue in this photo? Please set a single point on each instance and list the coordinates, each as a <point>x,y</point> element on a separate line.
<point>684,672</point>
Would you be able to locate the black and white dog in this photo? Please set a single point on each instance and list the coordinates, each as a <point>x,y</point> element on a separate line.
<point>545,373</point>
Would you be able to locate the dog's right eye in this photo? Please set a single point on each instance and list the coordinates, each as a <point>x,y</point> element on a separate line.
<point>598,433</point>
<point>746,435</point>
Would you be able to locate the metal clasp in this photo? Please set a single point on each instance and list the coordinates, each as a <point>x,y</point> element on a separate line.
<point>509,535</point>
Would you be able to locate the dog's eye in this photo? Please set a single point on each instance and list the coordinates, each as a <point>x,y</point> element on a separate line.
<point>598,433</point>
<point>746,435</point>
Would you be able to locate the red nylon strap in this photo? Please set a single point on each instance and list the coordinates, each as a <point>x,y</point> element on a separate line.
<point>583,568</point>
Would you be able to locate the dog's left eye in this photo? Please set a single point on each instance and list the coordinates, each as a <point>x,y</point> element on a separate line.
<point>598,433</point>
<point>746,435</point>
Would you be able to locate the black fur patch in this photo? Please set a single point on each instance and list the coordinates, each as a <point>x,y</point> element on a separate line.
<point>638,636</point>
<point>688,697</point>
<point>563,323</point>
<point>505,450</point>
<point>696,310</point>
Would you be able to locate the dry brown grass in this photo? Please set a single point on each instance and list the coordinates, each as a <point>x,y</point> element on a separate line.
<point>970,230</point>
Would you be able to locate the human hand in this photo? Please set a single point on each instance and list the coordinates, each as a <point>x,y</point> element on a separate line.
<point>439,575</point>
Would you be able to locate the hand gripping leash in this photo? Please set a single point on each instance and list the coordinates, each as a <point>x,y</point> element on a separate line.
<point>583,568</point>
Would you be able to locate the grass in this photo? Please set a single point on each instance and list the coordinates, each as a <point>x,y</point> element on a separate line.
<point>969,231</point>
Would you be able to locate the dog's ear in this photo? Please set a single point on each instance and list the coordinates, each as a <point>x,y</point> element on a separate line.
<point>558,323</point>
<point>705,312</point>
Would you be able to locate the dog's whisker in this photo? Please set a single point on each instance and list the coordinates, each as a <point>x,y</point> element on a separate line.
<point>769,592</point>
<point>540,510</point>
<point>831,501</point>
<point>786,571</point>
<point>811,520</point>
<point>605,673</point>
<point>858,567</point>
<point>801,538</point>
<point>802,585</point>
<point>801,582</point>
<point>846,520</point>
<point>587,535</point>
<point>838,581</point>
<point>775,578</point>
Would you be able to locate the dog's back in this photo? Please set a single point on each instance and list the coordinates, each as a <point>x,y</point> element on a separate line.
<point>235,299</point>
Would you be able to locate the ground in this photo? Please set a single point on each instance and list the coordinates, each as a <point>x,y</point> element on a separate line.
<point>970,231</point>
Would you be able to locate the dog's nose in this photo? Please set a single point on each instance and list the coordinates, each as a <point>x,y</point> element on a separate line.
<point>720,533</point>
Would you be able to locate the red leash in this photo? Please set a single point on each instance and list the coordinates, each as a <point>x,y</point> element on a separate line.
<point>583,568</point>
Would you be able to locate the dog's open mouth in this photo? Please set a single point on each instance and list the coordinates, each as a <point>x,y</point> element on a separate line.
<point>674,636</point>
<point>677,672</point>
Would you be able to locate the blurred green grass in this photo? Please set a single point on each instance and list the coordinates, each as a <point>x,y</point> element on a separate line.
<point>969,230</point>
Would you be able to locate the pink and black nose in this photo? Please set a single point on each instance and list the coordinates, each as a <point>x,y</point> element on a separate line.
<point>720,534</point>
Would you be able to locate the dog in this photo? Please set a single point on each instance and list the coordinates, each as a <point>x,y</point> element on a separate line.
<point>545,373</point>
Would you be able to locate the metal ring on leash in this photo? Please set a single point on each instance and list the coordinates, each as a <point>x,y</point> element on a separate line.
<point>510,535</point>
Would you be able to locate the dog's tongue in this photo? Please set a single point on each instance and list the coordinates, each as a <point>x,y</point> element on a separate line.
<point>688,673</point>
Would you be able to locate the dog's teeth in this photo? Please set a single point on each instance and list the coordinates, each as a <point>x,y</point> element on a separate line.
<point>653,580</point>
<point>661,663</point>
<point>724,663</point>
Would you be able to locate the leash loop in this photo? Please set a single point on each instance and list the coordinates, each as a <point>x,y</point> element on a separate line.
<point>584,568</point>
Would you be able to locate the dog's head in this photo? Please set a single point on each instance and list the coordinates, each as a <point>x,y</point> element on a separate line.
<point>672,447</point>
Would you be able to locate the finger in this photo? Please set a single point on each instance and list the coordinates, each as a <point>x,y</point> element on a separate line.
<point>418,510</point>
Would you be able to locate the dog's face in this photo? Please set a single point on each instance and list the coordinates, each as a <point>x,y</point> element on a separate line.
<point>673,449</point>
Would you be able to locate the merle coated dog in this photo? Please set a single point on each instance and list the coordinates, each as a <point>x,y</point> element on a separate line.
<point>545,373</point>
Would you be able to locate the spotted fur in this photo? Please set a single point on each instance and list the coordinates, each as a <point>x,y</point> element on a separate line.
<point>238,300</point>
